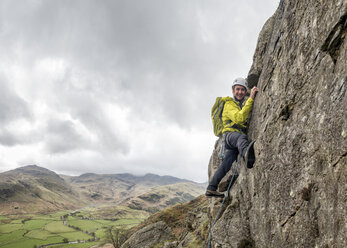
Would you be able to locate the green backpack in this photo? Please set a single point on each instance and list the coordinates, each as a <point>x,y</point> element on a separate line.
<point>216,114</point>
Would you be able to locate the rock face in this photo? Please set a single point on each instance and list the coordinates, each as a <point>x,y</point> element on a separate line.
<point>149,236</point>
<point>183,225</point>
<point>295,196</point>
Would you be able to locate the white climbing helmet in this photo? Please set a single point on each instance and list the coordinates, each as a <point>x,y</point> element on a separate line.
<point>239,81</point>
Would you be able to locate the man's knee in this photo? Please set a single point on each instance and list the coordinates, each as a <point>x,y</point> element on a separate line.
<point>242,144</point>
<point>236,139</point>
<point>242,138</point>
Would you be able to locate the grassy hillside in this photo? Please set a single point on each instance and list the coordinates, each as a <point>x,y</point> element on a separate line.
<point>164,196</point>
<point>33,189</point>
<point>114,188</point>
<point>31,196</point>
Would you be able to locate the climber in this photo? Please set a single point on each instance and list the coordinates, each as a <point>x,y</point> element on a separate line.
<point>235,114</point>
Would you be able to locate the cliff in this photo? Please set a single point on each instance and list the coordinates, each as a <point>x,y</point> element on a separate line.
<point>295,196</point>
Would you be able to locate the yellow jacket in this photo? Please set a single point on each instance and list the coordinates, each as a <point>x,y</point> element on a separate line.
<point>233,115</point>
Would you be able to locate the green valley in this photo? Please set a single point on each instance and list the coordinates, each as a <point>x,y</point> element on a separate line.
<point>63,228</point>
<point>39,208</point>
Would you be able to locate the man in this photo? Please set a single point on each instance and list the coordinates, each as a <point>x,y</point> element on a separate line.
<point>234,117</point>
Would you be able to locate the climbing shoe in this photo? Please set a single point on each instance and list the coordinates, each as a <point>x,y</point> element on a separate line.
<point>213,193</point>
<point>249,155</point>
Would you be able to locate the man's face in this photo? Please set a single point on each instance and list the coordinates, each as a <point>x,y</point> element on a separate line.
<point>239,92</point>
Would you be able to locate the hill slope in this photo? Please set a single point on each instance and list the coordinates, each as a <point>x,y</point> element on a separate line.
<point>161,197</point>
<point>33,189</point>
<point>116,187</point>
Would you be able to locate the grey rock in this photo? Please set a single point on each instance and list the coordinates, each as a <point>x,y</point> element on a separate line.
<point>149,236</point>
<point>188,221</point>
<point>295,196</point>
<point>173,244</point>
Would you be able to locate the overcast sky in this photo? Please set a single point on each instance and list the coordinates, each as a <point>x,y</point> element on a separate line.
<point>119,86</point>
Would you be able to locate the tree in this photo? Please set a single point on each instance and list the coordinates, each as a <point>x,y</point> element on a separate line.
<point>116,235</point>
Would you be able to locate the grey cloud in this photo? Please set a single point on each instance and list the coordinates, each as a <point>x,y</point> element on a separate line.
<point>154,48</point>
<point>84,105</point>
<point>62,136</point>
<point>15,137</point>
<point>165,61</point>
<point>12,106</point>
<point>8,139</point>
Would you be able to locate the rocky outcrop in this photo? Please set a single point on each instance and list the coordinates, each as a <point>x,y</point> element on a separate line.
<point>183,225</point>
<point>295,196</point>
<point>149,236</point>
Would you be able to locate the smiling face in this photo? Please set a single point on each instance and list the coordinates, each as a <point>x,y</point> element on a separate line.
<point>239,92</point>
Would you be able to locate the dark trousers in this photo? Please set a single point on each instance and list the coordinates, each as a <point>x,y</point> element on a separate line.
<point>235,143</point>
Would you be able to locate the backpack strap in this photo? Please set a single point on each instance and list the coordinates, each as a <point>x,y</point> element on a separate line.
<point>238,127</point>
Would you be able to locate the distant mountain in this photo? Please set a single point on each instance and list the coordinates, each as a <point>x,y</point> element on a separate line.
<point>164,196</point>
<point>148,179</point>
<point>117,187</point>
<point>32,189</point>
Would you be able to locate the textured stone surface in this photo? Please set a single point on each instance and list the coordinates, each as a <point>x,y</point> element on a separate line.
<point>295,196</point>
<point>183,225</point>
<point>149,236</point>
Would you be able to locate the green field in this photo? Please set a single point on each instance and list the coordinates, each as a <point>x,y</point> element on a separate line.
<point>8,228</point>
<point>35,224</point>
<point>39,234</point>
<point>30,243</point>
<point>79,245</point>
<point>21,231</point>
<point>85,225</point>
<point>76,236</point>
<point>58,227</point>
<point>14,236</point>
